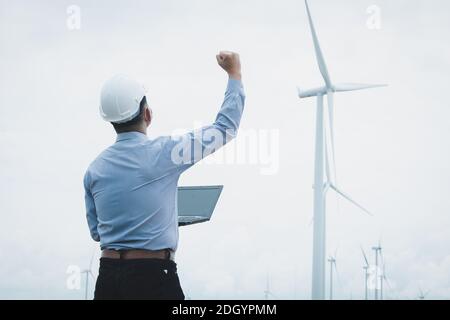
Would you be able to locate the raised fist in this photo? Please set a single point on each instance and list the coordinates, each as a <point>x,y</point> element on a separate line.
<point>231,63</point>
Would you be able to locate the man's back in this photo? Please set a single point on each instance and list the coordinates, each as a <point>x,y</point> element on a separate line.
<point>134,190</point>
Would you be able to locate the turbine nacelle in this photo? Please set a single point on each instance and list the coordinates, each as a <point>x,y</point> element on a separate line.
<point>343,87</point>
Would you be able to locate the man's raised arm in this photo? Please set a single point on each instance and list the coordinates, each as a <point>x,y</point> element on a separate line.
<point>187,149</point>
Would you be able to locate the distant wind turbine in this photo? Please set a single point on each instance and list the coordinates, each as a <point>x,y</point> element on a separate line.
<point>333,266</point>
<point>377,250</point>
<point>366,275</point>
<point>422,295</point>
<point>267,292</point>
<point>323,184</point>
<point>383,278</point>
<point>88,273</point>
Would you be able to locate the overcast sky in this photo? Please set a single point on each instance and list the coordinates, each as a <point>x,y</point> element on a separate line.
<point>392,149</point>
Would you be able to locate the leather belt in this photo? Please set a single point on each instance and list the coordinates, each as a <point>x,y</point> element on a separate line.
<point>164,254</point>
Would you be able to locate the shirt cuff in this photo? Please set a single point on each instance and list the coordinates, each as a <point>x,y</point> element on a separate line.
<point>235,86</point>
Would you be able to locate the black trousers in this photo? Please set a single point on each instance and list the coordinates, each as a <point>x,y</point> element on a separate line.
<point>138,279</point>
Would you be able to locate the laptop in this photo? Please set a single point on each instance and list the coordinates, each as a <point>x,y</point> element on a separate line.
<point>196,204</point>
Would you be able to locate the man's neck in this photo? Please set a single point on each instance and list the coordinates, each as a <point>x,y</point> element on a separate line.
<point>140,130</point>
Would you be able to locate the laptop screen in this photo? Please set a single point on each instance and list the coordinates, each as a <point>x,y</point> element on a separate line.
<point>196,204</point>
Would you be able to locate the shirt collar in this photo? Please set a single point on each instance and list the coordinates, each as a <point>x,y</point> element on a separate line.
<point>133,135</point>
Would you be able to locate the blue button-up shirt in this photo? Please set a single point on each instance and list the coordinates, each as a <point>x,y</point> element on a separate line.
<point>131,187</point>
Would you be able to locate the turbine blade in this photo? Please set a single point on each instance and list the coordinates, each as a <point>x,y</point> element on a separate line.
<point>92,258</point>
<point>365,257</point>
<point>385,277</point>
<point>388,283</point>
<point>319,56</point>
<point>384,269</point>
<point>338,276</point>
<point>356,86</point>
<point>314,92</point>
<point>381,254</point>
<point>349,199</point>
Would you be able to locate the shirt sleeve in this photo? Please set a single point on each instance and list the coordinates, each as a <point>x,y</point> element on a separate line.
<point>185,150</point>
<point>91,213</point>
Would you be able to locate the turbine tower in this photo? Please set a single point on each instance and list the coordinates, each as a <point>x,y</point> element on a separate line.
<point>323,179</point>
<point>382,279</point>
<point>88,273</point>
<point>332,261</point>
<point>377,251</point>
<point>267,292</point>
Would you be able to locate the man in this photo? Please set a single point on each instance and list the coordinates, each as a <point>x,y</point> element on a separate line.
<point>131,188</point>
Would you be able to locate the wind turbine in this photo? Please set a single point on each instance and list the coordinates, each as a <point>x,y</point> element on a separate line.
<point>382,280</point>
<point>88,273</point>
<point>323,184</point>
<point>377,250</point>
<point>332,261</point>
<point>267,292</point>
<point>366,275</point>
<point>383,277</point>
<point>422,295</point>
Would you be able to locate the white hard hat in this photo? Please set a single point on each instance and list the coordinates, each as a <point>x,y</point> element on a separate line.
<point>120,99</point>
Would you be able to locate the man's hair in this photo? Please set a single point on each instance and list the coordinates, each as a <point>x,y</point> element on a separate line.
<point>131,124</point>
